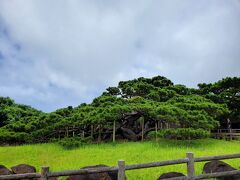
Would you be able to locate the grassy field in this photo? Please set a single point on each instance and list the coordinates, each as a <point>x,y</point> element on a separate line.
<point>58,158</point>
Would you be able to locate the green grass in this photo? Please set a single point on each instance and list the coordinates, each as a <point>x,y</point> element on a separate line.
<point>57,158</point>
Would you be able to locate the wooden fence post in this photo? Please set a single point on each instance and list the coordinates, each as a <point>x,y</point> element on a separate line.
<point>190,166</point>
<point>230,131</point>
<point>44,173</point>
<point>121,170</point>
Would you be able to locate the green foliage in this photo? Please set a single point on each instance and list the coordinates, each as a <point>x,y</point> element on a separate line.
<point>74,142</point>
<point>11,137</point>
<point>113,91</point>
<point>225,91</point>
<point>6,101</point>
<point>142,86</point>
<point>181,134</point>
<point>156,99</point>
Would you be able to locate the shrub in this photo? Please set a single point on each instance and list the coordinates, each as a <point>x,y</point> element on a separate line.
<point>9,137</point>
<point>73,142</point>
<point>181,134</point>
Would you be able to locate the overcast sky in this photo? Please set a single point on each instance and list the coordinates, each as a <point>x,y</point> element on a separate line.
<point>58,53</point>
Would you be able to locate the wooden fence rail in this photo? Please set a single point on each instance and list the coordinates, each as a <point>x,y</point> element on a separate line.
<point>121,168</point>
<point>226,134</point>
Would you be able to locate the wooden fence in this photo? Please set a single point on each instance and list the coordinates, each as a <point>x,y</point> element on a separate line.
<point>121,168</point>
<point>226,134</point>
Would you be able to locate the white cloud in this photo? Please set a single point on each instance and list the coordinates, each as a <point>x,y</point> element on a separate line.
<point>60,53</point>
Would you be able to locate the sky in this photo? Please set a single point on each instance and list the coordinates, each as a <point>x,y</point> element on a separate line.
<point>59,53</point>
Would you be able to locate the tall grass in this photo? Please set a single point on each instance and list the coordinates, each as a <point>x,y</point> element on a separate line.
<point>57,158</point>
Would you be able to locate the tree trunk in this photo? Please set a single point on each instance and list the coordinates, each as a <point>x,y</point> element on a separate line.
<point>59,135</point>
<point>143,129</point>
<point>92,131</point>
<point>156,130</point>
<point>99,133</point>
<point>73,131</point>
<point>83,134</point>
<point>67,131</point>
<point>114,130</point>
